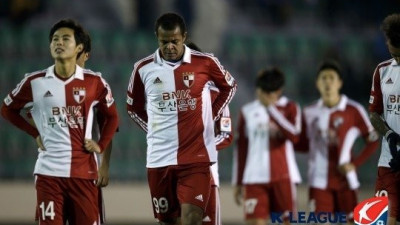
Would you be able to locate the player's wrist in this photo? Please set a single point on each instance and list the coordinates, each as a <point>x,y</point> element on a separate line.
<point>389,132</point>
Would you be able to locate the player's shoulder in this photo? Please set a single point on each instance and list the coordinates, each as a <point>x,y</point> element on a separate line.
<point>144,61</point>
<point>251,106</point>
<point>205,55</point>
<point>311,106</point>
<point>385,63</point>
<point>353,104</point>
<point>89,72</point>
<point>38,73</point>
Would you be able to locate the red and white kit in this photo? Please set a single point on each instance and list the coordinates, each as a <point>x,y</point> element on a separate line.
<point>385,100</point>
<point>264,160</point>
<point>63,114</point>
<point>172,103</point>
<point>331,133</point>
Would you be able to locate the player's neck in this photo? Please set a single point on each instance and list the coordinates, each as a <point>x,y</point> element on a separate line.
<point>65,69</point>
<point>331,101</point>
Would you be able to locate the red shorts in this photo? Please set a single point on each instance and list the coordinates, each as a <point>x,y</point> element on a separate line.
<point>388,184</point>
<point>262,199</point>
<point>172,186</point>
<point>328,200</point>
<point>60,199</point>
<point>212,215</point>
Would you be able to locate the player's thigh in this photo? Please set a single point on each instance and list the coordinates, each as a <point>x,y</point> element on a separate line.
<point>162,185</point>
<point>321,200</point>
<point>84,202</point>
<point>50,200</point>
<point>212,214</point>
<point>282,196</point>
<point>256,201</point>
<point>388,184</point>
<point>194,185</point>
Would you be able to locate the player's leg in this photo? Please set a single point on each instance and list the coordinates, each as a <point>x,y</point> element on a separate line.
<point>163,194</point>
<point>282,199</point>
<point>50,200</point>
<point>212,214</point>
<point>321,200</point>
<point>388,184</point>
<point>194,186</point>
<point>256,204</point>
<point>346,201</point>
<point>84,209</point>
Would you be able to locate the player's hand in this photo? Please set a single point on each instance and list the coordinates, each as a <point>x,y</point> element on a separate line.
<point>40,143</point>
<point>103,176</point>
<point>92,146</point>
<point>345,168</point>
<point>393,140</point>
<point>238,195</point>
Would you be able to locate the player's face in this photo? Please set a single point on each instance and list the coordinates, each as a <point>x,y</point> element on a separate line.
<point>394,52</point>
<point>63,45</point>
<point>268,98</point>
<point>329,83</point>
<point>170,43</point>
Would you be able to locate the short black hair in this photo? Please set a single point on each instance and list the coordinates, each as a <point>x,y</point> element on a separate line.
<point>193,46</point>
<point>271,79</point>
<point>330,64</point>
<point>169,21</point>
<point>391,27</point>
<point>79,32</point>
<point>87,43</point>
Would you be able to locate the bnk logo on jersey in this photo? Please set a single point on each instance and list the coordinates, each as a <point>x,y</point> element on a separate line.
<point>372,211</point>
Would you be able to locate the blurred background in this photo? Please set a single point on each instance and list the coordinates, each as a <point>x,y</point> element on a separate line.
<point>246,36</point>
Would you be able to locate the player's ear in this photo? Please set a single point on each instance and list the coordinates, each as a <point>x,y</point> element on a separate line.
<point>80,47</point>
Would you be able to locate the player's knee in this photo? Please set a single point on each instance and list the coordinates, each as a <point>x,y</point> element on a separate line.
<point>191,215</point>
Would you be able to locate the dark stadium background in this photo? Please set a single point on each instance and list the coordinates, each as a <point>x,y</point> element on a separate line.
<point>245,35</point>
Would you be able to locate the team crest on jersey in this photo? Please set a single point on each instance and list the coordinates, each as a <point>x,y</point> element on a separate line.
<point>337,122</point>
<point>371,211</point>
<point>188,79</point>
<point>79,94</point>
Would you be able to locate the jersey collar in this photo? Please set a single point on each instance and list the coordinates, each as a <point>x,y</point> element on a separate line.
<point>341,106</point>
<point>186,56</point>
<point>78,72</point>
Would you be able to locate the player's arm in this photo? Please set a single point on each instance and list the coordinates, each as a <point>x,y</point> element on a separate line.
<point>303,145</point>
<point>136,100</point>
<point>239,159</point>
<point>290,126</point>
<point>19,98</point>
<point>226,85</point>
<point>108,110</point>
<point>370,136</point>
<point>376,111</point>
<point>103,172</point>
<point>224,134</point>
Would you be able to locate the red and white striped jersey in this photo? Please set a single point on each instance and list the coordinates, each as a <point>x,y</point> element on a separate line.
<point>331,133</point>
<point>63,114</point>
<point>385,100</point>
<point>264,151</point>
<point>173,105</point>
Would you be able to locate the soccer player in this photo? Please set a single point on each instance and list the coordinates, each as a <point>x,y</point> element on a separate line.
<point>61,99</point>
<point>169,97</point>
<point>331,126</point>
<point>384,114</point>
<point>264,163</point>
<point>224,137</point>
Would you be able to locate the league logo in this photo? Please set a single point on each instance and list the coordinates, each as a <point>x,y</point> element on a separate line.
<point>188,79</point>
<point>79,94</point>
<point>372,211</point>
